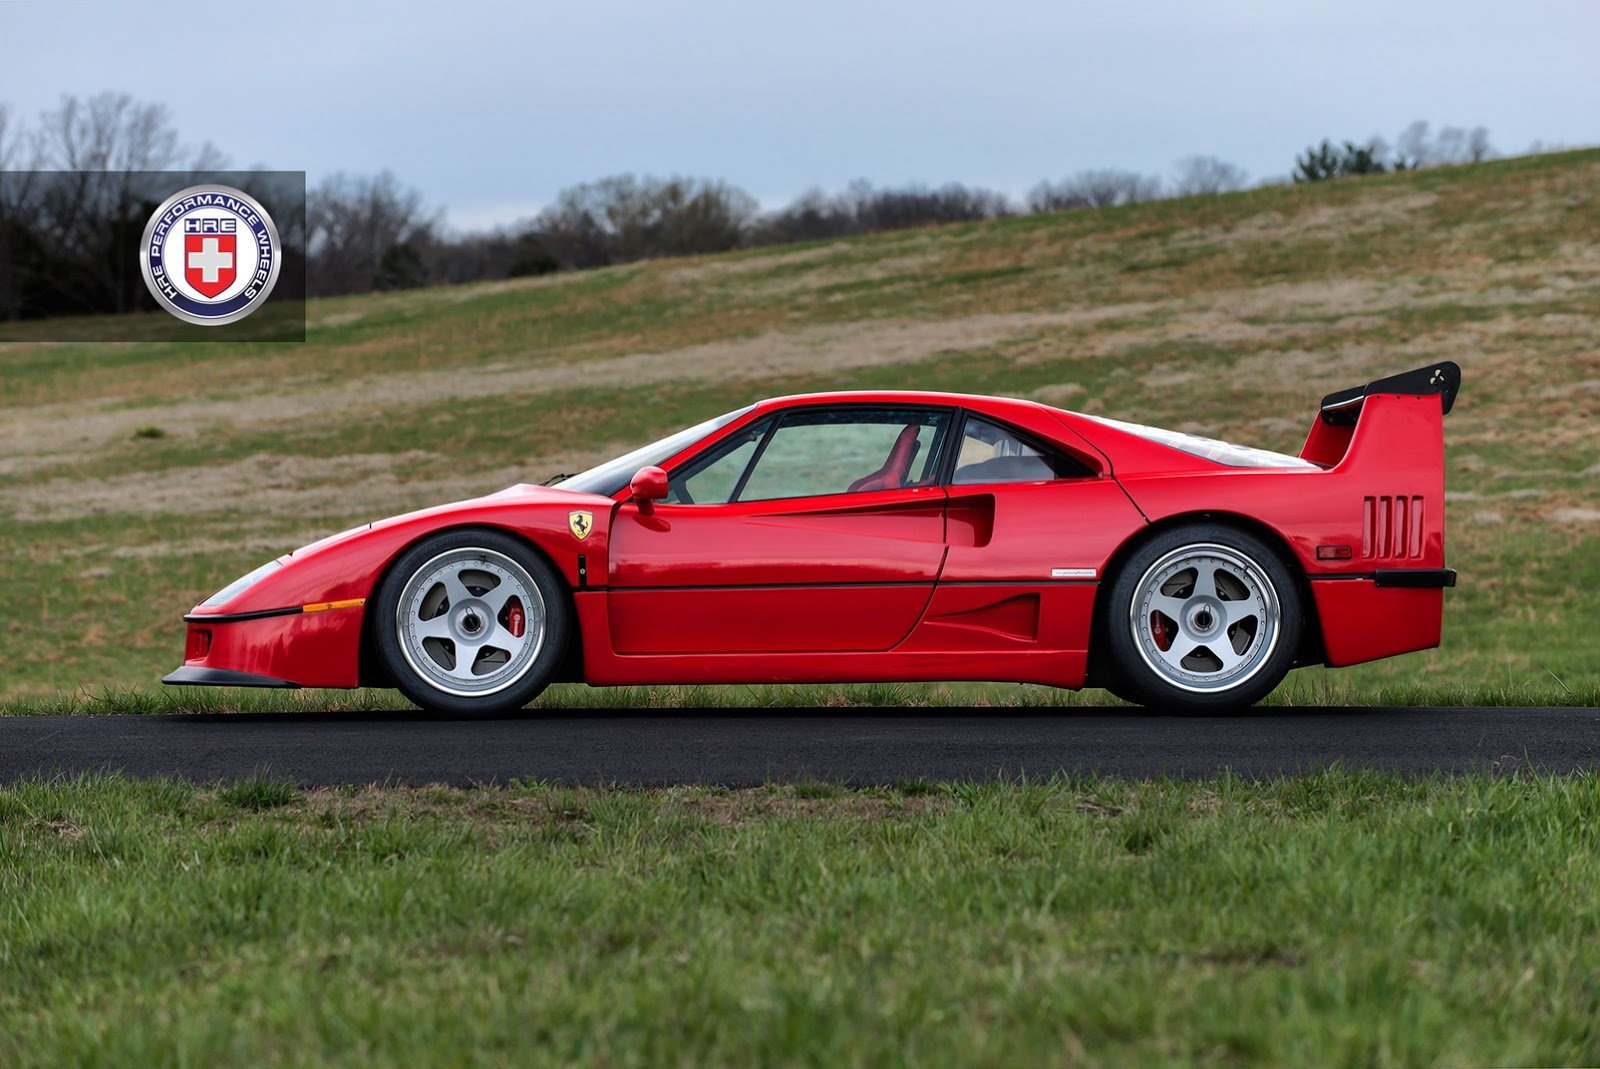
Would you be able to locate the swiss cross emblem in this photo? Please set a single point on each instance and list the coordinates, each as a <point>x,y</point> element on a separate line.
<point>210,255</point>
<point>210,261</point>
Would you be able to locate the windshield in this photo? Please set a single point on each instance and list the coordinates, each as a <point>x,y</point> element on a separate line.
<point>1234,456</point>
<point>613,475</point>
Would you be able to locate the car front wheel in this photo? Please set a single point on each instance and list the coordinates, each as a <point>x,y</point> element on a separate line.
<point>1202,617</point>
<point>472,623</point>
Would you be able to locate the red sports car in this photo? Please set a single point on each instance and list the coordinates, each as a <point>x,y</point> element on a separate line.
<point>883,536</point>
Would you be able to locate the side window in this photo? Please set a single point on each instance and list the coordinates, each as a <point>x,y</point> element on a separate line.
<point>847,450</point>
<point>711,479</point>
<point>990,453</point>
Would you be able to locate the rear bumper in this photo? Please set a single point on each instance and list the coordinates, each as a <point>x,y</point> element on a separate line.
<point>192,676</point>
<point>1363,620</point>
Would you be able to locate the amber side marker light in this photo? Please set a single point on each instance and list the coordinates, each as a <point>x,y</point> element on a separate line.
<point>325,606</point>
<point>1335,553</point>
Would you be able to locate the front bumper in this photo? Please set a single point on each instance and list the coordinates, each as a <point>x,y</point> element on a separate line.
<point>305,646</point>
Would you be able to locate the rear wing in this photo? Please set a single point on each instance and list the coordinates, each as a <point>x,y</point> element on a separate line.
<point>1335,425</point>
<point>1343,407</point>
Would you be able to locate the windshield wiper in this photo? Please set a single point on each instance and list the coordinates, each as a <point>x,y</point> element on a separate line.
<point>558,478</point>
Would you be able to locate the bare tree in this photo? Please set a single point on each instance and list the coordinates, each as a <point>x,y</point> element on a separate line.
<point>1207,174</point>
<point>12,196</point>
<point>862,209</point>
<point>1478,146</point>
<point>1453,144</point>
<point>1102,188</point>
<point>15,142</point>
<point>809,217</point>
<point>1457,144</point>
<point>624,218</point>
<point>109,132</point>
<point>1412,149</point>
<point>895,209</point>
<point>354,223</point>
<point>86,220</point>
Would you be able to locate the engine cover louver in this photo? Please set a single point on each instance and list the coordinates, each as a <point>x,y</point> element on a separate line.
<point>1391,528</point>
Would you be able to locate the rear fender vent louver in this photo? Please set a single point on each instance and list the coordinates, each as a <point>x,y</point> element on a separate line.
<point>1391,528</point>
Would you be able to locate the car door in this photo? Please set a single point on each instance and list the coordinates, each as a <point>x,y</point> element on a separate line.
<point>819,529</point>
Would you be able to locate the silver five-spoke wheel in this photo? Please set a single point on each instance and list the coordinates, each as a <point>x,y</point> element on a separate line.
<point>1205,618</point>
<point>471,621</point>
<point>1202,616</point>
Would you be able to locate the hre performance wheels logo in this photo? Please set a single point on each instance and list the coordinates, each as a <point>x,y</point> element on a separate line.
<point>210,255</point>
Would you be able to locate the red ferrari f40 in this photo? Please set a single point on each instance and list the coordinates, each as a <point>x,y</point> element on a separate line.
<point>883,536</point>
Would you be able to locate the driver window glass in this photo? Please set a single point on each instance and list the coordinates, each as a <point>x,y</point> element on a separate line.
<point>992,454</point>
<point>711,480</point>
<point>847,451</point>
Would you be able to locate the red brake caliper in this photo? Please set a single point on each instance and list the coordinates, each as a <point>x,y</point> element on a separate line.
<point>1158,627</point>
<point>514,619</point>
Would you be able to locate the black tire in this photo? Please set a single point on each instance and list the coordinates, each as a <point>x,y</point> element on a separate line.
<point>1253,605</point>
<point>436,680</point>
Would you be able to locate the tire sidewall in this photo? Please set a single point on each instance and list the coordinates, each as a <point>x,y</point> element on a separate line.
<point>557,623</point>
<point>1134,680</point>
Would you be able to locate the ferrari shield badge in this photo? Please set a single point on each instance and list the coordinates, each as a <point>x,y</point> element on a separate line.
<point>581,523</point>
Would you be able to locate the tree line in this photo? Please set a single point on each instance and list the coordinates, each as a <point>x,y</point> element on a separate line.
<point>372,232</point>
<point>1416,147</point>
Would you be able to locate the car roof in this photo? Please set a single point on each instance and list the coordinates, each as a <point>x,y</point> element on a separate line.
<point>979,402</point>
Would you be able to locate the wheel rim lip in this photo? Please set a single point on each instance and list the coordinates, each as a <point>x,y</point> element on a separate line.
<point>423,579</point>
<point>1256,583</point>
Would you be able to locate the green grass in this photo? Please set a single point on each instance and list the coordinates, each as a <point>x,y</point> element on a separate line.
<point>1331,919</point>
<point>138,478</point>
<point>1306,688</point>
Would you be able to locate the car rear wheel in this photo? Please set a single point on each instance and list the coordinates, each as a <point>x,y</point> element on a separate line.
<point>1202,617</point>
<point>472,623</point>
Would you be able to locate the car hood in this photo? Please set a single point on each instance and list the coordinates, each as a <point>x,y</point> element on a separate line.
<point>349,564</point>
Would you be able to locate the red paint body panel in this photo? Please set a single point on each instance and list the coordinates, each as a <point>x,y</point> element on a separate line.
<point>603,668</point>
<point>799,619</point>
<point>1363,622</point>
<point>319,649</point>
<point>994,582</point>
<point>879,536</point>
<point>1024,532</point>
<point>1397,451</point>
<point>348,565</point>
<point>1009,618</point>
<point>834,573</point>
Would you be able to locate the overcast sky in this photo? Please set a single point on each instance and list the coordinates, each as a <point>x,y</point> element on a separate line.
<point>490,107</point>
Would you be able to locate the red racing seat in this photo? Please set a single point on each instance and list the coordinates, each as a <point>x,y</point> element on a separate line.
<point>895,469</point>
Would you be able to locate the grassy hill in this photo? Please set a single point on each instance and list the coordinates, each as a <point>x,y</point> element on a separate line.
<point>137,478</point>
<point>1330,918</point>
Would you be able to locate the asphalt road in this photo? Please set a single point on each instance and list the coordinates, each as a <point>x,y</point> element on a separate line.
<point>740,747</point>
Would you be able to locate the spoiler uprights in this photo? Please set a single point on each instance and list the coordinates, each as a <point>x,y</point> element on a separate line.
<point>1342,407</point>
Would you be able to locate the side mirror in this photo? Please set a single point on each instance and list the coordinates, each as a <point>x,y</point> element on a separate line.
<point>649,485</point>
